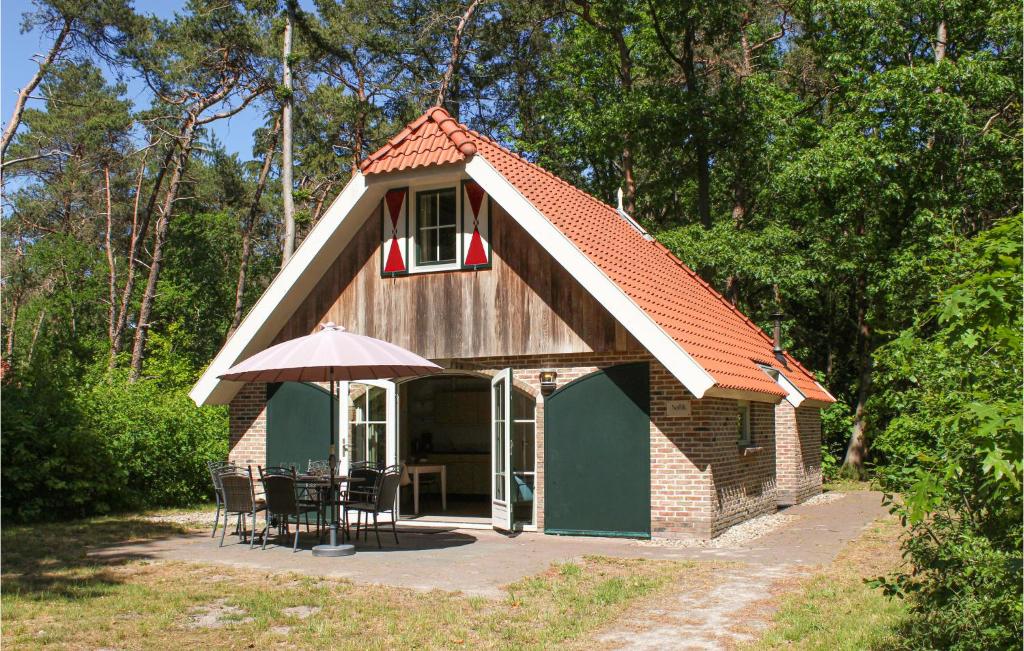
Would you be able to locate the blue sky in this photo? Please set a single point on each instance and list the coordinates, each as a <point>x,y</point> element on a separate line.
<point>16,68</point>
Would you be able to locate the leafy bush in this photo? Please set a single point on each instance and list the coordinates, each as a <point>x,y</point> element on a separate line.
<point>75,449</point>
<point>836,422</point>
<point>161,439</point>
<point>954,382</point>
<point>54,466</point>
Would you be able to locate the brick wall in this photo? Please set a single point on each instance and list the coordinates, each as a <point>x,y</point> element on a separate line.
<point>248,438</point>
<point>701,481</point>
<point>798,466</point>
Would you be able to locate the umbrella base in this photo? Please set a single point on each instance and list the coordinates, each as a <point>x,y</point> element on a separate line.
<point>334,550</point>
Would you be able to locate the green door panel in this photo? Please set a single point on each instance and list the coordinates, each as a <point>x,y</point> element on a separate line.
<point>298,426</point>
<point>597,470</point>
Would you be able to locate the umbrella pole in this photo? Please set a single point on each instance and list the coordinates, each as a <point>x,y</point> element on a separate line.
<point>333,549</point>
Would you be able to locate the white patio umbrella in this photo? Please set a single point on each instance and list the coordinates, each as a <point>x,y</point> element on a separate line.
<point>330,355</point>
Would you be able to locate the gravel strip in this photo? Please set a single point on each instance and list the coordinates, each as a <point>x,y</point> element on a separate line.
<point>733,537</point>
<point>824,498</point>
<point>196,519</point>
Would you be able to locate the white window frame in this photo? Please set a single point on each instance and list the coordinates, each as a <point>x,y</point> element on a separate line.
<point>532,526</point>
<point>414,231</point>
<point>389,422</point>
<point>744,434</point>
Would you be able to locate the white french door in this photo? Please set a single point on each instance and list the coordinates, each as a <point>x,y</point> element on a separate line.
<point>501,450</point>
<point>368,423</point>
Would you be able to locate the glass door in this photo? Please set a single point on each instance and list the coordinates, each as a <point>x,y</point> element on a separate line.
<point>368,432</point>
<point>501,452</point>
<point>523,459</point>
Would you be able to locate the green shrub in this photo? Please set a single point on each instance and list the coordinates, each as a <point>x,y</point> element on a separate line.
<point>54,466</point>
<point>953,381</point>
<point>75,449</point>
<point>161,439</point>
<point>836,422</point>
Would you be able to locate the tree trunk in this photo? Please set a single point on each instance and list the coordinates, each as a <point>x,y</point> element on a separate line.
<point>12,322</point>
<point>35,336</point>
<point>111,266</point>
<point>247,229</point>
<point>626,84</point>
<point>857,449</point>
<point>138,236</point>
<point>700,145</point>
<point>146,308</point>
<point>24,93</point>
<point>359,128</point>
<point>288,202</point>
<point>626,81</point>
<point>453,60</point>
<point>318,208</point>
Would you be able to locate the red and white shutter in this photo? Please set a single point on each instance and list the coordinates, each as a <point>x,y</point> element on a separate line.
<point>395,232</point>
<point>476,226</point>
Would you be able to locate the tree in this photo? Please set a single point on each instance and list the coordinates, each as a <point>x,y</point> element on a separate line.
<point>75,25</point>
<point>287,100</point>
<point>215,52</point>
<point>67,196</point>
<point>952,382</point>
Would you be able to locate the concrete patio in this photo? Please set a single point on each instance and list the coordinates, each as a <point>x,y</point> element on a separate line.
<point>480,562</point>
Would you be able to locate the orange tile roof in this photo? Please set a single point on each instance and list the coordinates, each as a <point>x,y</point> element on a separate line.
<point>727,344</point>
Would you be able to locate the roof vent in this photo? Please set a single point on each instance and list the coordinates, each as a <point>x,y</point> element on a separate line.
<point>777,339</point>
<point>632,222</point>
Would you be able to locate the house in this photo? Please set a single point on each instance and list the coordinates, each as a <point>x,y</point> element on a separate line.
<point>593,383</point>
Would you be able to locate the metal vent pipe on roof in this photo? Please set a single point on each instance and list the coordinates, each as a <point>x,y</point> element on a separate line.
<point>778,332</point>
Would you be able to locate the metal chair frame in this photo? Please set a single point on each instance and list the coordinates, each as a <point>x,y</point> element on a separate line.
<point>280,485</point>
<point>383,499</point>
<point>215,468</point>
<point>239,498</point>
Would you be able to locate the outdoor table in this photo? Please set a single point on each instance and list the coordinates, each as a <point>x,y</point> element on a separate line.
<point>417,469</point>
<point>321,481</point>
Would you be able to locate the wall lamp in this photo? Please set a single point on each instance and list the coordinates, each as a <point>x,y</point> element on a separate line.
<point>547,382</point>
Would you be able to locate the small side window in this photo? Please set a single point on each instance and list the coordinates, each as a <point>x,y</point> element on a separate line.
<point>743,423</point>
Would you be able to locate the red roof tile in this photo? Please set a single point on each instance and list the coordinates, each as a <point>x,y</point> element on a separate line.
<point>727,344</point>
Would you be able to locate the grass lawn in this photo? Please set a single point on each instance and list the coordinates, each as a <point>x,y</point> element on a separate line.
<point>842,485</point>
<point>55,595</point>
<point>836,609</point>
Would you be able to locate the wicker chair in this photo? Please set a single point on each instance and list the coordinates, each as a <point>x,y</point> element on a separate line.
<point>382,499</point>
<point>239,498</point>
<point>215,468</point>
<point>366,474</point>
<point>283,502</point>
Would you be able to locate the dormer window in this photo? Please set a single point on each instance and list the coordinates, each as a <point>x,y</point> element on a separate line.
<point>436,227</point>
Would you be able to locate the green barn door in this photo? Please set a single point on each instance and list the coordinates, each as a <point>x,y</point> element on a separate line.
<point>298,427</point>
<point>597,473</point>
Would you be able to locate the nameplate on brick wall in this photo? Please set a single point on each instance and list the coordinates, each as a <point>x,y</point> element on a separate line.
<point>677,408</point>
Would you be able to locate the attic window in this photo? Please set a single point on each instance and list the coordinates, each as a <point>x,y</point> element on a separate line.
<point>436,227</point>
<point>444,227</point>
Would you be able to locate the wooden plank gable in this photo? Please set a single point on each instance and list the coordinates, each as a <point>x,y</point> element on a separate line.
<point>525,304</point>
